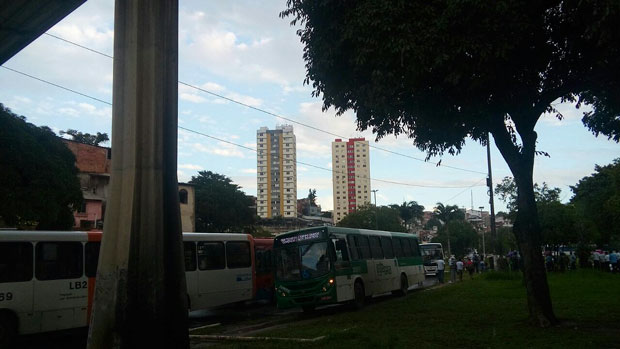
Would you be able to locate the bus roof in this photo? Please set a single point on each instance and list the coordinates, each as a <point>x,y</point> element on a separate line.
<point>343,230</point>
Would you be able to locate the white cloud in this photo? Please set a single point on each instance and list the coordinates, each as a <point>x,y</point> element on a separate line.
<point>191,98</point>
<point>223,149</point>
<point>191,167</point>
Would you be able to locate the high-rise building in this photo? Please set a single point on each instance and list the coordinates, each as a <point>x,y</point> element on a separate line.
<point>276,168</point>
<point>350,176</point>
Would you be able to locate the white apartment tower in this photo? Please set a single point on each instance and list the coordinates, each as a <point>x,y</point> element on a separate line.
<point>276,168</point>
<point>350,176</point>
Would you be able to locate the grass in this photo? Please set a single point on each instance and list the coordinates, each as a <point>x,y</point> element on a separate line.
<point>489,311</point>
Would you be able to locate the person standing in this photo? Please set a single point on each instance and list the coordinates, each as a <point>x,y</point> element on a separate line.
<point>613,260</point>
<point>459,269</point>
<point>573,261</point>
<point>441,267</point>
<point>452,263</point>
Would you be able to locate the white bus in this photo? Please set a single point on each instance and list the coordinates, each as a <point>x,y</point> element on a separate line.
<point>326,265</point>
<point>47,279</point>
<point>431,252</point>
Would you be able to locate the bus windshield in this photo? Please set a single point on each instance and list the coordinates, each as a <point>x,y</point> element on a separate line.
<point>302,261</point>
<point>431,252</point>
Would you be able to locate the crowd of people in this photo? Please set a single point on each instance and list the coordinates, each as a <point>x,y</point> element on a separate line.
<point>608,261</point>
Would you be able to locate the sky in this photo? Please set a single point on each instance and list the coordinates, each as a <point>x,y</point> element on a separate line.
<point>242,50</point>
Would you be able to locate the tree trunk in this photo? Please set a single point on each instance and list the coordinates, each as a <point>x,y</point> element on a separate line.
<point>526,226</point>
<point>528,234</point>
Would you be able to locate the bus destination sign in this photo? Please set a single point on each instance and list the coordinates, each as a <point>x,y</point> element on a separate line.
<point>301,238</point>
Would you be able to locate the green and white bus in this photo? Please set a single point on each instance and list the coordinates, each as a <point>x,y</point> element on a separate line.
<point>327,265</point>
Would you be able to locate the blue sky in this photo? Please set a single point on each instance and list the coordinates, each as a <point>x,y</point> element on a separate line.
<point>244,51</point>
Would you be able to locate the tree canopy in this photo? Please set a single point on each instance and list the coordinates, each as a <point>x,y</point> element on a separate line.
<point>410,212</point>
<point>462,236</point>
<point>442,71</point>
<point>447,213</point>
<point>371,217</point>
<point>597,202</point>
<point>38,181</point>
<point>86,138</point>
<point>220,204</point>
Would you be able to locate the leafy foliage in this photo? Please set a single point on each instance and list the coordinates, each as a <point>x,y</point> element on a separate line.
<point>597,201</point>
<point>447,213</point>
<point>38,181</point>
<point>410,212</point>
<point>371,217</point>
<point>220,205</point>
<point>462,235</point>
<point>86,138</point>
<point>507,191</point>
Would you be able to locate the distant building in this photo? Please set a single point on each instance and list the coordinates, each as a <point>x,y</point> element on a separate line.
<point>187,200</point>
<point>276,167</point>
<point>350,176</point>
<point>93,163</point>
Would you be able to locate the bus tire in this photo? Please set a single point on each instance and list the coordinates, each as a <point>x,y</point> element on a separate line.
<point>359,295</point>
<point>404,285</point>
<point>8,329</point>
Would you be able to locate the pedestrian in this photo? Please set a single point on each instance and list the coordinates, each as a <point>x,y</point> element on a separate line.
<point>452,263</point>
<point>469,265</point>
<point>476,262</point>
<point>613,260</point>
<point>482,267</point>
<point>441,266</point>
<point>595,259</point>
<point>573,261</point>
<point>459,269</point>
<point>606,261</point>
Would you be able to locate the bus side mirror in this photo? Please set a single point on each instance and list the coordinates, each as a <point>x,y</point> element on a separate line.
<point>341,246</point>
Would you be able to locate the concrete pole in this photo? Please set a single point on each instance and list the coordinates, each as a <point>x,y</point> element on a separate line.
<point>140,295</point>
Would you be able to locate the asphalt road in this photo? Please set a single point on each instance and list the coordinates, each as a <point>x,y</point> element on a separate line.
<point>235,320</point>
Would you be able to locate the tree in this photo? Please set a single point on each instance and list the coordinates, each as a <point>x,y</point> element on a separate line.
<point>86,138</point>
<point>410,212</point>
<point>462,235</point>
<point>557,221</point>
<point>220,205</point>
<point>371,217</point>
<point>312,197</point>
<point>597,202</point>
<point>448,213</point>
<point>442,71</point>
<point>39,183</point>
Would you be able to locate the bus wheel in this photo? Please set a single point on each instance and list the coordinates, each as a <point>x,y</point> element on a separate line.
<point>360,295</point>
<point>404,285</point>
<point>8,329</point>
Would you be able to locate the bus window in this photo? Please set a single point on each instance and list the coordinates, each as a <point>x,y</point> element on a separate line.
<point>91,256</point>
<point>363,249</point>
<point>407,252</point>
<point>375,247</point>
<point>415,248</point>
<point>386,243</point>
<point>238,254</point>
<point>211,255</point>
<point>353,247</point>
<point>15,261</point>
<point>189,255</point>
<point>58,260</point>
<point>342,254</point>
<point>398,249</point>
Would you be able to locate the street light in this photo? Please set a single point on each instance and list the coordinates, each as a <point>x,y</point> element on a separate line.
<point>484,252</point>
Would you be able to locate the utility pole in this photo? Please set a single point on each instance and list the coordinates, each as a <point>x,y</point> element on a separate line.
<point>374,192</point>
<point>498,248</point>
<point>484,250</point>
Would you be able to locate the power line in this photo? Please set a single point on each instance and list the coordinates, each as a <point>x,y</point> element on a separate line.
<point>461,192</point>
<point>437,164</point>
<point>233,143</point>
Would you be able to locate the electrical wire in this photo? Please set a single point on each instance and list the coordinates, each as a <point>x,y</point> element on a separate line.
<point>232,100</point>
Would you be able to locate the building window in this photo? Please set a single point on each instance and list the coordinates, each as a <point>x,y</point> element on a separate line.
<point>183,196</point>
